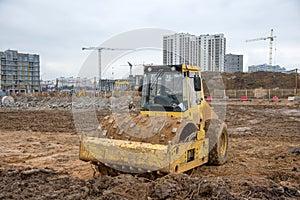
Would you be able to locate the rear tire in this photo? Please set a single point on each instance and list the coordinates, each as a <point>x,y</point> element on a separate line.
<point>218,153</point>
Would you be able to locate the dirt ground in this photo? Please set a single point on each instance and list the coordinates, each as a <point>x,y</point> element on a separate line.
<point>39,159</point>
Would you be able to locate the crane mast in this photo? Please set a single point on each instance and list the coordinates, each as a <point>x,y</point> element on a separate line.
<point>271,49</point>
<point>271,38</point>
<point>130,67</point>
<point>99,58</point>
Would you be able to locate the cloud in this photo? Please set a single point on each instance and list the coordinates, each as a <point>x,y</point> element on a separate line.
<point>58,29</point>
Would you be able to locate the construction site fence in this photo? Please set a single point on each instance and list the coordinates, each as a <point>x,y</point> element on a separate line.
<point>215,93</point>
<point>251,93</point>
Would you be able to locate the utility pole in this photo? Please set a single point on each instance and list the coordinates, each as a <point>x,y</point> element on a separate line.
<point>99,59</point>
<point>99,68</point>
<point>95,85</point>
<point>296,80</point>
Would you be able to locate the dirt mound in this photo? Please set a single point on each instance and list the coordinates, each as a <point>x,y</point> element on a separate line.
<point>261,79</point>
<point>39,102</point>
<point>45,183</point>
<point>39,184</point>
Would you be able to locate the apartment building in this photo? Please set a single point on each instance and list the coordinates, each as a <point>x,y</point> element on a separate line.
<point>20,72</point>
<point>233,63</point>
<point>206,51</point>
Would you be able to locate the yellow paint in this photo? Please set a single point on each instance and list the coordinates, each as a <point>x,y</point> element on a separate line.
<point>165,158</point>
<point>153,157</point>
<point>117,83</point>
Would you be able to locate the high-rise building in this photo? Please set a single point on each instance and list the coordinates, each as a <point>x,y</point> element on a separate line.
<point>233,63</point>
<point>20,72</point>
<point>205,51</point>
<point>177,48</point>
<point>212,48</point>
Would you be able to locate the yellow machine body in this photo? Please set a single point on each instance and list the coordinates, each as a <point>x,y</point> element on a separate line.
<point>164,152</point>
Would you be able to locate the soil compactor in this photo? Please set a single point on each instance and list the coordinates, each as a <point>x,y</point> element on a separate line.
<point>175,130</point>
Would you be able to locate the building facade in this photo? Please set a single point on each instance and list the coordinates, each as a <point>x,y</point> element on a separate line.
<point>205,51</point>
<point>265,67</point>
<point>233,63</point>
<point>20,72</point>
<point>177,48</point>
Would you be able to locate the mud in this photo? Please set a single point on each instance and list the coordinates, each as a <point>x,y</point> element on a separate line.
<point>40,120</point>
<point>39,159</point>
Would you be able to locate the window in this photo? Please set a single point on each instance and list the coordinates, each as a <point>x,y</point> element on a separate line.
<point>163,91</point>
<point>195,97</point>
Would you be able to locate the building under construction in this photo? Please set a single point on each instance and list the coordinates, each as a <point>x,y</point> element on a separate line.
<point>20,72</point>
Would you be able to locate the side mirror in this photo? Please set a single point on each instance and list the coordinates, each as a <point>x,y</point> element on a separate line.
<point>197,83</point>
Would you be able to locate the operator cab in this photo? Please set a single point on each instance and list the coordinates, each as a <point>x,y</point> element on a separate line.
<point>168,88</point>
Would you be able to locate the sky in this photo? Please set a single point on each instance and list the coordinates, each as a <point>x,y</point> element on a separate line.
<point>58,29</point>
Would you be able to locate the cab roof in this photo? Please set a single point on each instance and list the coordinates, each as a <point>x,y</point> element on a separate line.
<point>179,68</point>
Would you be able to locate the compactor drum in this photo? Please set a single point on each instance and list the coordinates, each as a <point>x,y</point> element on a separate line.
<point>175,129</point>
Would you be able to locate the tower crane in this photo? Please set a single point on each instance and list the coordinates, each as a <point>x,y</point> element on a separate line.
<point>271,38</point>
<point>99,57</point>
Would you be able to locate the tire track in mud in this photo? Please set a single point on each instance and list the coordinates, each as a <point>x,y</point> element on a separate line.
<point>260,163</point>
